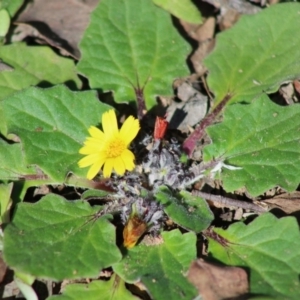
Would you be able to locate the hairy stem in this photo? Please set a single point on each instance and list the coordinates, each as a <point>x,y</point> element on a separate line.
<point>229,202</point>
<point>190,143</point>
<point>141,105</point>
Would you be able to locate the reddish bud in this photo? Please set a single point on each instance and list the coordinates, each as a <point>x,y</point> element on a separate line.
<point>160,128</point>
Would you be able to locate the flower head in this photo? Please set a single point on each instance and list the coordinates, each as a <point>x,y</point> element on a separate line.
<point>110,146</point>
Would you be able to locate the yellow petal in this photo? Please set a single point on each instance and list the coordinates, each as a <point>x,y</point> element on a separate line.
<point>109,123</point>
<point>88,160</point>
<point>91,140</point>
<point>94,169</point>
<point>119,166</point>
<point>90,149</point>
<point>86,151</point>
<point>108,167</point>
<point>130,129</point>
<point>96,133</point>
<point>92,145</point>
<point>128,158</point>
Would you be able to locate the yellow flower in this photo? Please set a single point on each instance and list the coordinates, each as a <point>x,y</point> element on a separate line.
<point>110,146</point>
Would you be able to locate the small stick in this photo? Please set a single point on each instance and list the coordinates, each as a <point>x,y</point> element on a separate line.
<point>229,202</point>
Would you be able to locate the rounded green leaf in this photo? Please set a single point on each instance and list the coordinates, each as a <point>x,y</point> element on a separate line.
<point>257,54</point>
<point>132,44</point>
<point>113,289</point>
<point>161,267</point>
<point>58,239</point>
<point>36,65</point>
<point>4,22</point>
<point>5,202</point>
<point>261,138</point>
<point>52,125</point>
<point>182,9</point>
<point>188,211</point>
<point>269,249</point>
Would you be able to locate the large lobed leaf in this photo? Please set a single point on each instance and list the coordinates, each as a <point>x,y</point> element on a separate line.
<point>257,54</point>
<point>161,267</point>
<point>58,239</point>
<point>131,44</point>
<point>34,65</point>
<point>52,125</point>
<point>261,138</point>
<point>269,248</point>
<point>113,289</point>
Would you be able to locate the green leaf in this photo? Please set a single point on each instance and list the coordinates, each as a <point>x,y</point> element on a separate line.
<point>188,211</point>
<point>4,22</point>
<point>11,6</point>
<point>263,139</point>
<point>15,167</point>
<point>26,278</point>
<point>58,239</point>
<point>131,44</point>
<point>182,9</point>
<point>93,193</point>
<point>269,248</point>
<point>36,65</point>
<point>52,125</point>
<point>257,54</point>
<point>161,267</point>
<point>5,202</point>
<point>12,160</point>
<point>113,289</point>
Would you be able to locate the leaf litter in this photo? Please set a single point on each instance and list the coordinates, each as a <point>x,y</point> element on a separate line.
<point>64,31</point>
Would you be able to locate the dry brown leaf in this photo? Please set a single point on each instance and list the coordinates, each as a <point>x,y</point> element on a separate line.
<point>25,30</point>
<point>241,6</point>
<point>272,2</point>
<point>228,19</point>
<point>288,202</point>
<point>190,28</point>
<point>60,23</point>
<point>288,93</point>
<point>203,34</point>
<point>297,85</point>
<point>216,282</point>
<point>198,56</point>
<point>230,11</point>
<point>150,240</point>
<point>206,31</point>
<point>188,112</point>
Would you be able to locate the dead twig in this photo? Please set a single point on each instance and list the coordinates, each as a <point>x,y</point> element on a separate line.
<point>229,202</point>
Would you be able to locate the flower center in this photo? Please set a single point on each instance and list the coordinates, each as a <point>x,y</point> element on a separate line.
<point>115,148</point>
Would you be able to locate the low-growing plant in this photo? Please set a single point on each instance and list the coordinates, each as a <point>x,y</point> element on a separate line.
<point>134,209</point>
